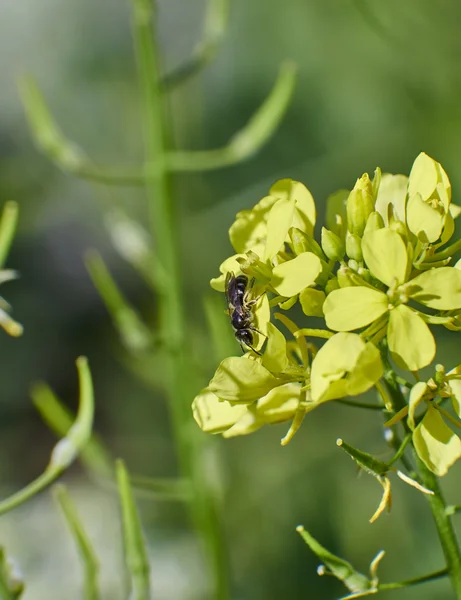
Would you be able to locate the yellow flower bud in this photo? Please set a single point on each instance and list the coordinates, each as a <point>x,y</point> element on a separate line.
<point>332,245</point>
<point>360,205</point>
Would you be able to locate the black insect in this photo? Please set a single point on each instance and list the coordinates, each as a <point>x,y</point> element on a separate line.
<point>239,307</point>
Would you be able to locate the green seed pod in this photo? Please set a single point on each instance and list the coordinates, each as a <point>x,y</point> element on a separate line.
<point>354,247</point>
<point>374,222</point>
<point>332,245</point>
<point>360,205</point>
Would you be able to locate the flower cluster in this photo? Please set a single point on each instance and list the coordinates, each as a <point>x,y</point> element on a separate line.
<point>378,278</point>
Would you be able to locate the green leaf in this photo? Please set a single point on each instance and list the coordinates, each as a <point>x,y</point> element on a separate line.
<point>416,398</point>
<point>411,342</point>
<point>438,288</point>
<point>305,211</point>
<point>391,197</point>
<point>275,356</point>
<point>350,308</point>
<point>423,220</point>
<point>278,223</point>
<point>292,276</point>
<point>312,302</point>
<point>436,444</point>
<point>214,415</point>
<point>385,254</point>
<point>242,380</point>
<point>344,366</point>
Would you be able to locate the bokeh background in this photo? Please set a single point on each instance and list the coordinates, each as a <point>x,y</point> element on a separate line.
<point>377,83</point>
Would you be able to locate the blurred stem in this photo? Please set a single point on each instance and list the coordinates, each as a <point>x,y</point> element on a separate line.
<point>172,328</point>
<point>136,556</point>
<point>68,448</point>
<point>5,592</point>
<point>85,549</point>
<point>216,17</point>
<point>415,581</point>
<point>8,224</point>
<point>436,500</point>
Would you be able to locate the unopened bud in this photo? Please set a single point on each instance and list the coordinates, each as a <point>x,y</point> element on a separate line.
<point>344,277</point>
<point>374,222</point>
<point>302,242</point>
<point>360,205</point>
<point>354,246</point>
<point>332,245</point>
<point>376,182</point>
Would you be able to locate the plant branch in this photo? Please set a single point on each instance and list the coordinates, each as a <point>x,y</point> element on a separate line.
<point>436,501</point>
<point>82,541</point>
<point>414,581</point>
<point>216,18</point>
<point>246,142</point>
<point>172,326</point>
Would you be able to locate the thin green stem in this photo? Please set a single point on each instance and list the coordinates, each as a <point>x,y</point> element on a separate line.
<point>447,253</point>
<point>358,404</point>
<point>317,333</point>
<point>172,327</point>
<point>400,450</point>
<point>214,28</point>
<point>136,557</point>
<point>83,543</point>
<point>436,501</point>
<point>414,581</point>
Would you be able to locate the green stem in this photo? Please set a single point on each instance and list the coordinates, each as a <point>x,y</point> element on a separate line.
<point>415,581</point>
<point>358,404</point>
<point>436,500</point>
<point>172,327</point>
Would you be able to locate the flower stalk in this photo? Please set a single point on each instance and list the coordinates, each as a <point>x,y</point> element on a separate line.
<point>440,514</point>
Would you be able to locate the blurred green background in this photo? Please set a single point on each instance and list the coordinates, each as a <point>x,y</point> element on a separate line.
<point>377,84</point>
